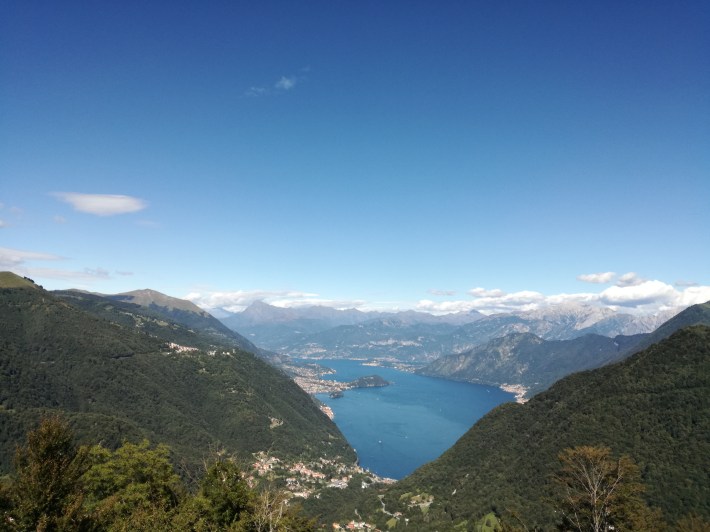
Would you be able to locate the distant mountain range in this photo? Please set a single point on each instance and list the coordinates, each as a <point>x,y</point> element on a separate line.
<point>288,330</point>
<point>120,370</point>
<point>536,363</point>
<point>418,337</point>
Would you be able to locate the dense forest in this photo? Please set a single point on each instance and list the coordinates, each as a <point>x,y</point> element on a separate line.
<point>115,381</point>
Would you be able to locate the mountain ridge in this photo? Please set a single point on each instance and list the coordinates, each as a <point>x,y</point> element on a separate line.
<point>535,363</point>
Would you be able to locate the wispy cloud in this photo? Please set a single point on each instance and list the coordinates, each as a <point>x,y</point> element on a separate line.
<point>87,274</point>
<point>629,279</point>
<point>286,84</point>
<point>102,204</point>
<point>3,223</point>
<point>254,92</point>
<point>435,292</point>
<point>15,258</point>
<point>23,262</point>
<point>283,84</point>
<point>598,278</point>
<point>314,301</point>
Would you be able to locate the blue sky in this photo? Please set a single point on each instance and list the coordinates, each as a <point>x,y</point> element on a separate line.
<point>433,155</point>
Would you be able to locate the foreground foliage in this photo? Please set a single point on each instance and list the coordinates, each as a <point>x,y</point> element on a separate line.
<point>58,486</point>
<point>598,492</point>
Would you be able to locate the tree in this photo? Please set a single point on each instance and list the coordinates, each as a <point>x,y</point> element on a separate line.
<point>46,493</point>
<point>133,479</point>
<point>226,492</point>
<point>600,493</point>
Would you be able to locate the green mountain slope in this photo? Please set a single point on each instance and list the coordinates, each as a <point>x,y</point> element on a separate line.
<point>12,280</point>
<point>523,358</point>
<point>116,382</point>
<point>196,329</point>
<point>654,406</point>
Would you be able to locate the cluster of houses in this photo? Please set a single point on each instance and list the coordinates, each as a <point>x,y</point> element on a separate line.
<point>304,480</point>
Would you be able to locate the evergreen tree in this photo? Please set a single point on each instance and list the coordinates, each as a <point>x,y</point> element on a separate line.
<point>46,493</point>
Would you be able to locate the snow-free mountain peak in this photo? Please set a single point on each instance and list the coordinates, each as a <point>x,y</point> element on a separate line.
<point>148,298</point>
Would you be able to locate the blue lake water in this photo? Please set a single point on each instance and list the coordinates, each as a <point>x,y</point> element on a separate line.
<point>400,427</point>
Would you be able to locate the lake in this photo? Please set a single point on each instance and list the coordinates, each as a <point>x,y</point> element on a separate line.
<point>397,428</point>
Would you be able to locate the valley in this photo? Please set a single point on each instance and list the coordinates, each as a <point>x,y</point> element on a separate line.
<point>154,367</point>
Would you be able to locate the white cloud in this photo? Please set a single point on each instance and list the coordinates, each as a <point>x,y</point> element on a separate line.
<point>238,300</point>
<point>640,294</point>
<point>486,301</point>
<point>445,307</point>
<point>286,83</point>
<point>599,278</point>
<point>3,224</point>
<point>482,292</point>
<point>630,279</point>
<point>694,295</point>
<point>59,220</point>
<point>308,302</point>
<point>560,299</point>
<point>633,293</point>
<point>283,84</point>
<point>102,204</point>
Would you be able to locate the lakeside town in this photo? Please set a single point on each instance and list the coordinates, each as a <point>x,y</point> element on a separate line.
<point>308,479</point>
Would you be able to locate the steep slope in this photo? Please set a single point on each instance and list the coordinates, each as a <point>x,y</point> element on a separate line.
<point>654,406</point>
<point>115,382</point>
<point>184,312</point>
<point>526,359</point>
<point>196,329</point>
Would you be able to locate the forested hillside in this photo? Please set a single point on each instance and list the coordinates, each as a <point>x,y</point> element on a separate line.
<point>116,382</point>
